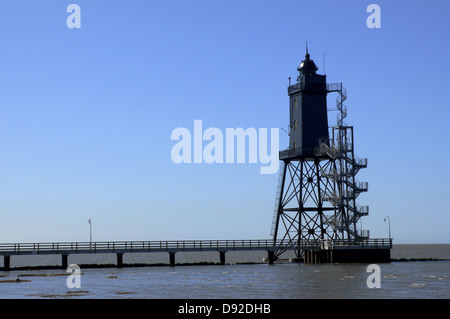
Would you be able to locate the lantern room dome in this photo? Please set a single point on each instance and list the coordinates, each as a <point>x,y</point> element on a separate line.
<point>307,66</point>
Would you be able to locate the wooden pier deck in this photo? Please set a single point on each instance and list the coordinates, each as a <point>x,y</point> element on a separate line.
<point>172,247</point>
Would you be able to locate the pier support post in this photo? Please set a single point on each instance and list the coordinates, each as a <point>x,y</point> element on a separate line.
<point>119,260</point>
<point>270,256</point>
<point>172,258</point>
<point>64,258</point>
<point>222,257</point>
<point>6,262</point>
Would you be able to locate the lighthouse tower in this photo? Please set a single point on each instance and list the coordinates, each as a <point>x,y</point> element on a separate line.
<point>308,110</point>
<point>317,189</point>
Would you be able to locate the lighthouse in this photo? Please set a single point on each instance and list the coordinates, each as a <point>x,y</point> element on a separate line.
<point>315,207</point>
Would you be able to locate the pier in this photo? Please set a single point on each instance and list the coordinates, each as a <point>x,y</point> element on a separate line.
<point>314,251</point>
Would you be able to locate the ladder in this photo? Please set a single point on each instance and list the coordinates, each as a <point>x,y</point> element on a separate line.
<point>277,199</point>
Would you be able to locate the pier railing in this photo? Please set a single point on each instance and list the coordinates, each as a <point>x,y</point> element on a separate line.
<point>185,245</point>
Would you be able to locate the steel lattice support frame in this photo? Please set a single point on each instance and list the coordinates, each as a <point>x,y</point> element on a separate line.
<point>301,208</point>
<point>317,197</point>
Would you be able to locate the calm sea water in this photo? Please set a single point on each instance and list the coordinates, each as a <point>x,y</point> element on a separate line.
<point>413,279</point>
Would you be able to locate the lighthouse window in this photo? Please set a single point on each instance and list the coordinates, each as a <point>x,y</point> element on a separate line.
<point>295,124</point>
<point>295,103</point>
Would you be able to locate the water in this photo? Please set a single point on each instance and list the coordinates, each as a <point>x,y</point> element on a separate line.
<point>418,279</point>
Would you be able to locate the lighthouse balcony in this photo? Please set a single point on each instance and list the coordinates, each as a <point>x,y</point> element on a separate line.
<point>316,85</point>
<point>299,153</point>
<point>289,153</point>
<point>297,87</point>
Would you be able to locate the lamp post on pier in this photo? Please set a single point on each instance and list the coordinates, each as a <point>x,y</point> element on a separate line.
<point>90,232</point>
<point>389,223</point>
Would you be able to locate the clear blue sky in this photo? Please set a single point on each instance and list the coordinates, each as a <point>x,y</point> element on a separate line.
<point>87,114</point>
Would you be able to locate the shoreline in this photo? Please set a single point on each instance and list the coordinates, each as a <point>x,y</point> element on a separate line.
<point>138,265</point>
<point>100,266</point>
